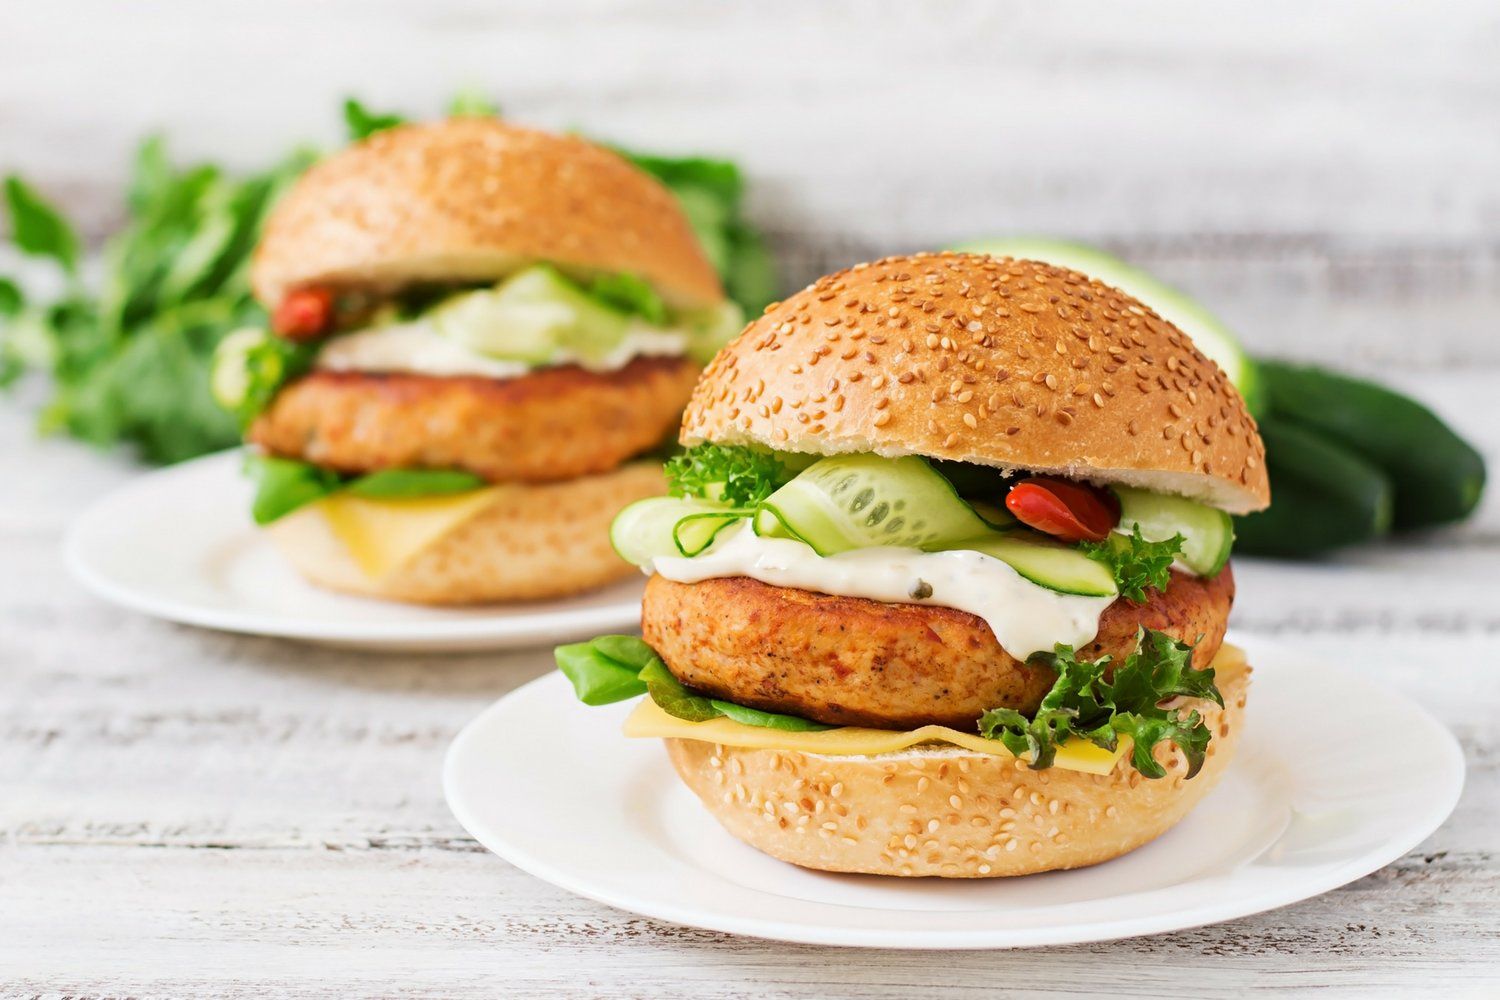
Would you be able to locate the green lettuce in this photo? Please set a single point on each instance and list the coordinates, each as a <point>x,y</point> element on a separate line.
<point>1087,704</point>
<point>729,474</point>
<point>613,668</point>
<point>1139,566</point>
<point>283,485</point>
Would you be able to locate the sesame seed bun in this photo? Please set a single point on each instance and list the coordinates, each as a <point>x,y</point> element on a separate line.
<point>945,811</point>
<point>533,542</point>
<point>473,199</point>
<point>1014,364</point>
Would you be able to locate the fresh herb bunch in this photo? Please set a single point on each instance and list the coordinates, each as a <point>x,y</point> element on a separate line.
<point>1085,704</point>
<point>130,361</point>
<point>613,668</point>
<point>130,358</point>
<point>1138,565</point>
<point>737,476</point>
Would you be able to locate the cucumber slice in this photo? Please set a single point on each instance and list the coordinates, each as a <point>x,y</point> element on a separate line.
<point>1056,567</point>
<point>1208,534</point>
<point>228,378</point>
<point>1207,331</point>
<point>696,532</point>
<point>531,317</point>
<point>649,528</point>
<point>859,501</point>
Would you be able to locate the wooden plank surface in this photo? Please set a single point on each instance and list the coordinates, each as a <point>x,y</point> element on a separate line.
<point>185,813</point>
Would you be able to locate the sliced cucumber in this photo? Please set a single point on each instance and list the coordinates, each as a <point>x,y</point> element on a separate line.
<point>1208,534</point>
<point>1056,567</point>
<point>229,376</point>
<point>859,501</point>
<point>696,532</point>
<point>668,526</point>
<point>530,317</point>
<point>1207,331</point>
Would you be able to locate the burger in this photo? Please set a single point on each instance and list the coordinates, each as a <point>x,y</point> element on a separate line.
<point>942,585</point>
<point>479,334</point>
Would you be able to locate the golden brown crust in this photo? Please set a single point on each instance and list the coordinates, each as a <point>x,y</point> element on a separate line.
<point>948,812</point>
<point>1009,363</point>
<point>847,661</point>
<point>549,425</point>
<point>532,543</point>
<point>472,199</point>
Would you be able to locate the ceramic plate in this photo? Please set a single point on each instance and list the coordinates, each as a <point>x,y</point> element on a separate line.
<point>1314,799</point>
<point>179,544</point>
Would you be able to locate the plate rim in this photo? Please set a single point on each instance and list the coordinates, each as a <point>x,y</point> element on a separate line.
<point>538,627</point>
<point>916,938</point>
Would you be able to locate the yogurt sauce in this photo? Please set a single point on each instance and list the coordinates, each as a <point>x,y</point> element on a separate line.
<point>418,349</point>
<point>1024,617</point>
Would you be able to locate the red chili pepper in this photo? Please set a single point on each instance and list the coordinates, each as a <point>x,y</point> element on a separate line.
<point>1070,511</point>
<point>304,313</point>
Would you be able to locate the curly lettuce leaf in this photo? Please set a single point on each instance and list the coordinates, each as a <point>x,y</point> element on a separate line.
<point>1139,566</point>
<point>1087,702</point>
<point>732,475</point>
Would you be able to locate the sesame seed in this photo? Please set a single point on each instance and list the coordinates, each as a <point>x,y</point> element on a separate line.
<point>882,418</point>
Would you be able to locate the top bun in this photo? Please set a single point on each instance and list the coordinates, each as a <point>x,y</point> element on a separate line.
<point>473,199</point>
<point>1009,363</point>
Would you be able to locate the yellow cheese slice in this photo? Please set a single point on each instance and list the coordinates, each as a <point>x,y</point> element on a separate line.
<point>384,535</point>
<point>649,721</point>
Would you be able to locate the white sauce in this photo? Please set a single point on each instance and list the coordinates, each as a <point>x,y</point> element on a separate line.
<point>416,348</point>
<point>1024,617</point>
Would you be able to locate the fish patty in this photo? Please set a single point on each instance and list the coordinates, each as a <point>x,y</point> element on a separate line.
<point>548,425</point>
<point>848,661</point>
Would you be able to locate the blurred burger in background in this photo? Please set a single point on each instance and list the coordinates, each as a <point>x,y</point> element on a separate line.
<point>480,333</point>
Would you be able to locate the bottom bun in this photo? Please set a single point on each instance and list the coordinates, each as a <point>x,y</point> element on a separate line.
<point>533,542</point>
<point>946,811</point>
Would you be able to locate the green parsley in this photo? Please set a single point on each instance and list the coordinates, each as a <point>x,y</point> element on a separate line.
<point>1138,565</point>
<point>1086,702</point>
<point>736,476</point>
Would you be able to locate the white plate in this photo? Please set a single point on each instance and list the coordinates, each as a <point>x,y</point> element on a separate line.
<point>179,544</point>
<point>1319,795</point>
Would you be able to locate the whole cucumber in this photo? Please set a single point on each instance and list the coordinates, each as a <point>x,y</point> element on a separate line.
<point>1438,477</point>
<point>1322,497</point>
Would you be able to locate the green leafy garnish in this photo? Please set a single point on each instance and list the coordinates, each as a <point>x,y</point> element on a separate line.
<point>399,483</point>
<point>472,104</point>
<point>130,359</point>
<point>1085,703</point>
<point>37,227</point>
<point>283,485</point>
<point>732,475</point>
<point>362,123</point>
<point>711,193</point>
<point>1138,565</point>
<point>630,295</point>
<point>616,667</point>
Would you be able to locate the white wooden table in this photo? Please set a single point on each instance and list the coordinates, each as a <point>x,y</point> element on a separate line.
<point>184,813</point>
